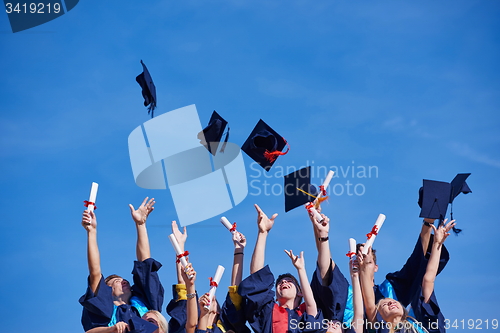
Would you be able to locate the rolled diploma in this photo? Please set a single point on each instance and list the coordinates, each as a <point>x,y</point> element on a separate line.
<point>216,279</point>
<point>317,216</point>
<point>326,182</point>
<point>369,242</point>
<point>178,251</point>
<point>352,247</point>
<point>227,224</point>
<point>93,196</point>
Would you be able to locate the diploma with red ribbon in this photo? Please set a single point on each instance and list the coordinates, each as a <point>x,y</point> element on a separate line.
<point>322,188</point>
<point>311,209</point>
<point>214,283</point>
<point>90,204</point>
<point>352,254</point>
<point>181,256</point>
<point>228,225</point>
<point>373,233</point>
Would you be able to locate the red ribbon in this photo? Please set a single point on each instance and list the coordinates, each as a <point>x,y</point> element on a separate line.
<point>233,228</point>
<point>271,156</point>
<point>322,190</point>
<point>212,283</point>
<point>87,203</point>
<point>309,206</point>
<point>374,232</point>
<point>179,256</point>
<point>350,254</point>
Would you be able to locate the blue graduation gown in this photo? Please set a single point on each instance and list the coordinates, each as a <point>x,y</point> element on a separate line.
<point>176,309</point>
<point>259,306</point>
<point>331,297</point>
<point>98,307</point>
<point>428,314</point>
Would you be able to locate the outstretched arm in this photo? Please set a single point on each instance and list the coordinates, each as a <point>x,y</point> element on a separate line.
<point>240,242</point>
<point>89,222</point>
<point>181,239</point>
<point>140,216</point>
<point>321,231</point>
<point>265,224</point>
<point>425,234</point>
<point>440,235</point>
<point>191,303</point>
<point>366,277</point>
<point>357,320</point>
<point>299,263</point>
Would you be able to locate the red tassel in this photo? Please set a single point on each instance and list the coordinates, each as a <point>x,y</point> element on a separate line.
<point>271,156</point>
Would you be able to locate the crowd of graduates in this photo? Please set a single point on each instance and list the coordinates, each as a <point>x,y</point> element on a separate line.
<point>404,302</point>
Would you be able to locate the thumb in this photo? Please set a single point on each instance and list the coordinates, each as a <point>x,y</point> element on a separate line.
<point>132,209</point>
<point>274,216</point>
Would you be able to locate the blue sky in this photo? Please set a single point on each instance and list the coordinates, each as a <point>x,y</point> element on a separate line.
<point>410,88</point>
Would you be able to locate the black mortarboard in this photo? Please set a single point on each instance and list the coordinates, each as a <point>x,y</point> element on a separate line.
<point>434,199</point>
<point>458,185</point>
<point>264,145</point>
<point>212,134</point>
<point>298,189</point>
<point>148,89</point>
<point>433,195</point>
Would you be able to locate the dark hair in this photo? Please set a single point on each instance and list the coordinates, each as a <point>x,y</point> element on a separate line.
<point>288,275</point>
<point>373,251</point>
<point>111,277</point>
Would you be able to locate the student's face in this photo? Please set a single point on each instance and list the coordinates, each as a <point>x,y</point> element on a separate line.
<point>120,286</point>
<point>286,288</point>
<point>389,309</point>
<point>153,319</point>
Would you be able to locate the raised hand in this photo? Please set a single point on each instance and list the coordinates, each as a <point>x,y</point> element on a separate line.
<point>264,223</point>
<point>297,261</point>
<point>322,228</point>
<point>181,237</point>
<point>141,214</point>
<point>89,221</point>
<point>442,232</point>
<point>189,270</point>
<point>204,300</point>
<point>239,240</point>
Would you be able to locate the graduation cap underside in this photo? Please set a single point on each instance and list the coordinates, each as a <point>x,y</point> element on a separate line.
<point>148,89</point>
<point>298,188</point>
<point>264,145</point>
<point>211,135</point>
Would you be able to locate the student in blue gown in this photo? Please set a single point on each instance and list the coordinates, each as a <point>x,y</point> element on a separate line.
<point>112,302</point>
<point>217,319</point>
<point>403,284</point>
<point>391,315</point>
<point>287,315</point>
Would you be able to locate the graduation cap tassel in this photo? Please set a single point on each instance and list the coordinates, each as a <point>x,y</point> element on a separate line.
<point>455,229</point>
<point>273,155</point>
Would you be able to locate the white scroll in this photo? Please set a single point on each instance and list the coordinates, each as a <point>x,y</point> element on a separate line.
<point>214,283</point>
<point>373,233</point>
<point>228,225</point>
<point>352,254</point>
<point>93,195</point>
<point>181,256</point>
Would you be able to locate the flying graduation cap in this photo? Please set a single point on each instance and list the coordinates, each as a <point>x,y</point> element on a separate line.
<point>148,89</point>
<point>211,135</point>
<point>264,145</point>
<point>298,189</point>
<point>435,196</point>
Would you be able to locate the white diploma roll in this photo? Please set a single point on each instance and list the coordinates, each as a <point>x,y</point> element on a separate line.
<point>178,251</point>
<point>317,216</point>
<point>326,182</point>
<point>352,247</point>
<point>216,279</point>
<point>373,233</point>
<point>352,254</point>
<point>92,197</point>
<point>227,224</point>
